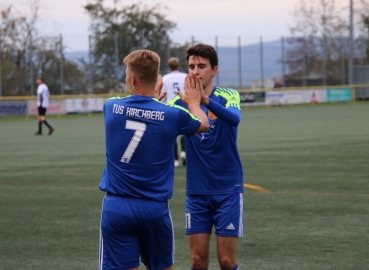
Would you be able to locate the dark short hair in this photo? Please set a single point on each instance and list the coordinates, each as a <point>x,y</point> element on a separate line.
<point>205,51</point>
<point>41,79</point>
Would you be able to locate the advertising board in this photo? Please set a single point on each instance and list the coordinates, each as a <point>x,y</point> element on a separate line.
<point>56,106</point>
<point>13,107</point>
<point>84,105</point>
<point>252,98</point>
<point>339,94</point>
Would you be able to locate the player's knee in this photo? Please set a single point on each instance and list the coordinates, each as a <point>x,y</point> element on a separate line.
<point>199,261</point>
<point>227,263</point>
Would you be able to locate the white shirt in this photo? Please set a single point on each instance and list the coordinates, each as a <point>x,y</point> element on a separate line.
<point>43,96</point>
<point>173,82</point>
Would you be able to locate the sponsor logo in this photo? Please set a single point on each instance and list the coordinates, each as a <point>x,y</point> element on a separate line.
<point>274,95</point>
<point>211,115</point>
<point>230,227</point>
<point>13,108</point>
<point>251,97</point>
<point>84,103</point>
<point>51,108</point>
<point>314,98</point>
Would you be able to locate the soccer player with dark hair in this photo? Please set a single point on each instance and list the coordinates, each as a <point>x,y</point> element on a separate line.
<point>42,104</point>
<point>214,180</point>
<point>173,83</point>
<point>140,132</point>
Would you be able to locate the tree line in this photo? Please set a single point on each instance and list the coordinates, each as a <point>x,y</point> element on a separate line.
<point>318,43</point>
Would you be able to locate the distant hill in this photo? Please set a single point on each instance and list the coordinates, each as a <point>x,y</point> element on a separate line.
<point>228,62</point>
<point>75,55</point>
<point>250,59</point>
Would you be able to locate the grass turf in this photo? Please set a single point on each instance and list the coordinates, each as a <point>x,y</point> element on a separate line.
<point>312,159</point>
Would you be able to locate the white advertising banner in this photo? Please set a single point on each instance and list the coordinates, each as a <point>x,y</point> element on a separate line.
<point>314,96</point>
<point>292,97</point>
<point>84,105</point>
<point>56,106</point>
<point>274,98</point>
<point>295,97</point>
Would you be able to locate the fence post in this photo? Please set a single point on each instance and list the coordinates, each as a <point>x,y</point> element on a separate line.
<point>61,66</point>
<point>90,64</point>
<point>169,55</point>
<point>1,80</point>
<point>325,61</point>
<point>304,65</point>
<point>192,41</point>
<point>217,49</point>
<point>343,66</point>
<point>116,62</point>
<point>168,47</point>
<point>351,53</point>
<point>283,63</point>
<point>261,63</point>
<point>239,64</point>
<point>31,64</point>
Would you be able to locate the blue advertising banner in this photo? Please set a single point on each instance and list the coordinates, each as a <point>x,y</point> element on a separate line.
<point>16,107</point>
<point>339,94</point>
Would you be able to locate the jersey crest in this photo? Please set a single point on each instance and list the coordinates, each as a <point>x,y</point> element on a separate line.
<point>211,115</point>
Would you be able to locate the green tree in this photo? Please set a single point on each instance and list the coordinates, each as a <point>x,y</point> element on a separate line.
<point>363,11</point>
<point>19,36</point>
<point>136,26</point>
<point>15,37</point>
<point>318,41</point>
<point>366,26</point>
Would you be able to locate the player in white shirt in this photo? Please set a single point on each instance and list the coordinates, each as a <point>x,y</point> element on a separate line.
<point>174,82</point>
<point>42,104</point>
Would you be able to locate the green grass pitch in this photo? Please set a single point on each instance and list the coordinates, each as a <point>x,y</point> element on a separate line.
<point>312,161</point>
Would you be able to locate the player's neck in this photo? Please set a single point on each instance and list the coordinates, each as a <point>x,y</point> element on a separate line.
<point>209,88</point>
<point>144,91</point>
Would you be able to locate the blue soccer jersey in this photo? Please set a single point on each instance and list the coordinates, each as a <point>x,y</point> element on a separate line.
<point>213,162</point>
<point>140,132</point>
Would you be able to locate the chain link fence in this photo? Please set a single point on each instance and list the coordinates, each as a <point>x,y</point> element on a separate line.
<point>244,63</point>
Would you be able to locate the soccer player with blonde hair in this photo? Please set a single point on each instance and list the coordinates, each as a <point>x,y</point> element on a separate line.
<point>140,132</point>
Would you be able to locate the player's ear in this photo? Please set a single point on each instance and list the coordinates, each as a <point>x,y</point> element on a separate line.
<point>214,71</point>
<point>133,79</point>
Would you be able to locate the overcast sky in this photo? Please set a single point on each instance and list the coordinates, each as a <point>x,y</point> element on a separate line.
<point>203,19</point>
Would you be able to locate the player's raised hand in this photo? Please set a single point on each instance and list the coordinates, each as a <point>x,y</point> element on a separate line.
<point>159,85</point>
<point>204,97</point>
<point>193,90</point>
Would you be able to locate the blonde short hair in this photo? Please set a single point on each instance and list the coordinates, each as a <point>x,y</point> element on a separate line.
<point>173,63</point>
<point>144,64</point>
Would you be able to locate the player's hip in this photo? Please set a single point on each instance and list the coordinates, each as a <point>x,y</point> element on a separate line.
<point>221,211</point>
<point>138,207</point>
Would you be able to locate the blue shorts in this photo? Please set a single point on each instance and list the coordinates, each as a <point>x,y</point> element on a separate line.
<point>224,212</point>
<point>131,228</point>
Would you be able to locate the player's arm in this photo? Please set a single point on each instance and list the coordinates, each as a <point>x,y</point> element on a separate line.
<point>192,98</point>
<point>161,96</point>
<point>231,113</point>
<point>41,96</point>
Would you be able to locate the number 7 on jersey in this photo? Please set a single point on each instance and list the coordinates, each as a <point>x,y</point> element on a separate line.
<point>140,130</point>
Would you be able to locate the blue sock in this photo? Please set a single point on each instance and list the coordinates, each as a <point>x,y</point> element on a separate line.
<point>236,267</point>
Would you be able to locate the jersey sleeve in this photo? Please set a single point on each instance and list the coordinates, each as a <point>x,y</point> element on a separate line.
<point>176,101</point>
<point>231,112</point>
<point>188,123</point>
<point>193,122</point>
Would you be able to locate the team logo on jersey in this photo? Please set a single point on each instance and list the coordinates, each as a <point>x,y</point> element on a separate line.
<point>211,115</point>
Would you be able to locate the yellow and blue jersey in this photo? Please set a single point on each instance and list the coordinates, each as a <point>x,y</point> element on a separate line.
<point>140,132</point>
<point>213,161</point>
